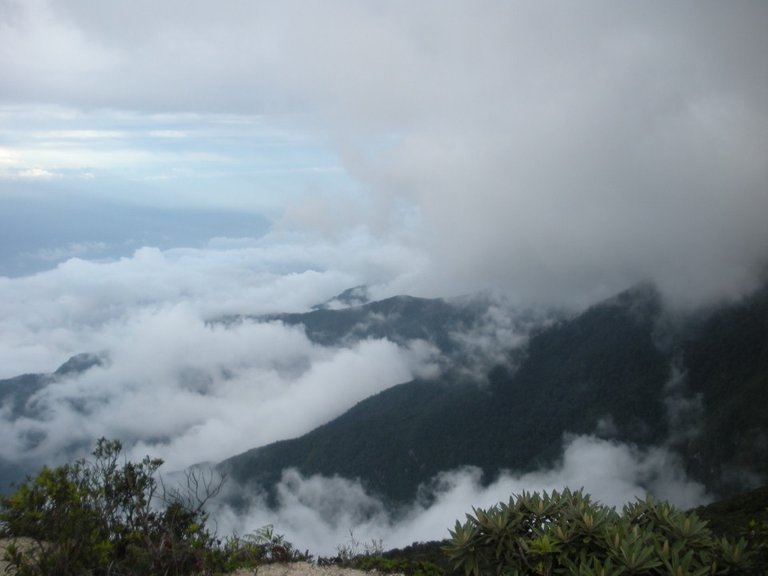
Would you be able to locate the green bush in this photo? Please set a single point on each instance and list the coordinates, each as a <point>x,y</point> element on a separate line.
<point>757,536</point>
<point>108,516</point>
<point>370,557</point>
<point>567,533</point>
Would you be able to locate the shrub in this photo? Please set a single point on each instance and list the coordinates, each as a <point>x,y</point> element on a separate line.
<point>104,516</point>
<point>567,533</point>
<point>757,536</point>
<point>370,557</point>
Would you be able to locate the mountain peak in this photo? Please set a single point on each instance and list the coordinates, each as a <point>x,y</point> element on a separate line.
<point>642,301</point>
<point>79,363</point>
<point>355,296</point>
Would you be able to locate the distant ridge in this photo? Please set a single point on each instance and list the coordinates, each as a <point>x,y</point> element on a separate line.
<point>606,363</point>
<point>15,394</point>
<point>355,296</point>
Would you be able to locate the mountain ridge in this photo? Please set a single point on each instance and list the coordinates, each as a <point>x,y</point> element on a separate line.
<point>605,364</point>
<point>619,369</point>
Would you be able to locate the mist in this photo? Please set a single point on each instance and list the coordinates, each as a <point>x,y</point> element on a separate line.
<point>176,380</point>
<point>166,166</point>
<point>560,153</point>
<point>321,513</point>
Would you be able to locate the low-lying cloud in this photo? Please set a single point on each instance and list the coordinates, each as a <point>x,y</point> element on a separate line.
<point>175,380</point>
<point>178,383</point>
<point>186,391</point>
<point>47,317</point>
<point>557,152</point>
<point>319,513</point>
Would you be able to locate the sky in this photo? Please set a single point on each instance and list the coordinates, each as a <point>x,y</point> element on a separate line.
<point>560,152</point>
<point>163,164</point>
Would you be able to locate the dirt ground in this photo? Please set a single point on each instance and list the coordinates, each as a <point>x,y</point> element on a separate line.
<point>292,569</point>
<point>301,569</point>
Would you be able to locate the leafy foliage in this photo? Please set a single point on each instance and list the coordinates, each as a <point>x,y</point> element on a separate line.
<point>370,557</point>
<point>429,553</point>
<point>567,533</point>
<point>102,516</point>
<point>263,547</point>
<point>109,516</point>
<point>742,516</point>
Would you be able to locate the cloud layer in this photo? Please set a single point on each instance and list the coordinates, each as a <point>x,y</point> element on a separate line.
<point>176,382</point>
<point>320,513</point>
<point>558,151</point>
<point>188,389</point>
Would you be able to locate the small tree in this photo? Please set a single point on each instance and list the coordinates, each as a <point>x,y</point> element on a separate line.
<point>566,533</point>
<point>108,516</point>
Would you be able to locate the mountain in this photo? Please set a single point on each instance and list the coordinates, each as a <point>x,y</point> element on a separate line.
<point>727,370</point>
<point>511,384</point>
<point>621,367</point>
<point>469,332</point>
<point>16,392</point>
<point>355,296</point>
<point>17,400</point>
<point>442,324</point>
<point>399,319</point>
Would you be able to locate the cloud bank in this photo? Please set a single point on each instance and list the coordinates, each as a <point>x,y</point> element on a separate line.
<point>177,382</point>
<point>320,513</point>
<point>561,152</point>
<point>182,386</point>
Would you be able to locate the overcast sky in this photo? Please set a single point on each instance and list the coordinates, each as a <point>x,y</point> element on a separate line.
<point>164,163</point>
<point>557,150</point>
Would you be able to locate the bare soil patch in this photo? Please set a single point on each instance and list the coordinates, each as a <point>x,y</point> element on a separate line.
<point>301,569</point>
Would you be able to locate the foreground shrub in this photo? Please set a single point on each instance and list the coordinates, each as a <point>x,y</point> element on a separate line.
<point>249,551</point>
<point>567,533</point>
<point>745,516</point>
<point>370,557</point>
<point>757,537</point>
<point>107,516</point>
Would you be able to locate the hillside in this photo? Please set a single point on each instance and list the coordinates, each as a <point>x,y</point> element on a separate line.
<point>17,401</point>
<point>623,369</point>
<point>443,323</point>
<point>727,368</point>
<point>617,369</point>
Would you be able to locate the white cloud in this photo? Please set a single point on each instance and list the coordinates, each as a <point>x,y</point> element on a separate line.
<point>8,157</point>
<point>175,384</point>
<point>29,174</point>
<point>187,391</point>
<point>47,317</point>
<point>79,134</point>
<point>319,513</point>
<point>72,250</point>
<point>168,134</point>
<point>37,173</point>
<point>555,151</point>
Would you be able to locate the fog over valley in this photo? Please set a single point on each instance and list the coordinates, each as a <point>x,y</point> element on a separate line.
<point>337,250</point>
